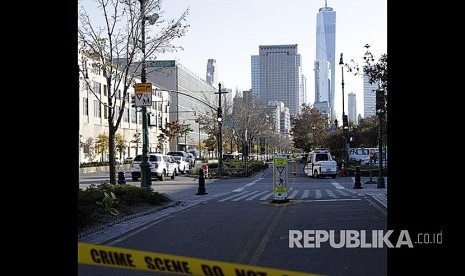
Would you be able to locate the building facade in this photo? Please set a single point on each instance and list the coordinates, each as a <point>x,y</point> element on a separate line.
<point>325,55</point>
<point>352,108</point>
<point>369,97</point>
<point>94,113</point>
<point>212,73</point>
<point>190,95</point>
<point>278,71</point>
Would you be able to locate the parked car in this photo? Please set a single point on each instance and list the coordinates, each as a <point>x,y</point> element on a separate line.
<point>189,156</point>
<point>160,167</point>
<point>183,164</point>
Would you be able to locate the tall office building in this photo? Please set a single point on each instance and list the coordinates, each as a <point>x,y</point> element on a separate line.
<point>352,108</point>
<point>369,97</point>
<point>325,56</point>
<point>212,73</point>
<point>278,71</point>
<point>255,73</point>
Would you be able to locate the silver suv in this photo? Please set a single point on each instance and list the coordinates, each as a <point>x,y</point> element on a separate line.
<point>160,167</point>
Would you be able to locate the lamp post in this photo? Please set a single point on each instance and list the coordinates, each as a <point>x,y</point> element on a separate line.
<point>380,107</point>
<point>345,123</point>
<point>220,134</point>
<point>146,175</point>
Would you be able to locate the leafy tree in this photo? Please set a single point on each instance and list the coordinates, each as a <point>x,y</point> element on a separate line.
<point>120,145</point>
<point>137,139</point>
<point>102,145</point>
<point>89,149</point>
<point>116,52</point>
<point>309,130</point>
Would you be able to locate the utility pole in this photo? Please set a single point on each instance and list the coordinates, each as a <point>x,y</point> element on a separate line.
<point>220,134</point>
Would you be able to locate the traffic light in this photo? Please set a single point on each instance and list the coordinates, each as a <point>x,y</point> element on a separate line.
<point>380,101</point>
<point>345,121</point>
<point>220,114</point>
<point>133,100</point>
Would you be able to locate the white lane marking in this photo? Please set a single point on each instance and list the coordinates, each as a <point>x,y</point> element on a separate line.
<point>334,199</point>
<point>244,196</point>
<point>224,199</point>
<point>305,194</point>
<point>331,194</point>
<point>250,198</point>
<point>337,185</point>
<point>318,194</point>
<point>266,196</point>
<point>293,194</point>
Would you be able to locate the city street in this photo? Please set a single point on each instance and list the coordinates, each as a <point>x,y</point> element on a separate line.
<point>237,222</point>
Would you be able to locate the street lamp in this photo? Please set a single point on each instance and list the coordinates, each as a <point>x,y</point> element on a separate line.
<point>345,123</point>
<point>380,108</point>
<point>220,134</point>
<point>146,175</point>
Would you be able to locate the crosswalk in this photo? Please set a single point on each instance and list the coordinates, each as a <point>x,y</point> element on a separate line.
<point>317,194</point>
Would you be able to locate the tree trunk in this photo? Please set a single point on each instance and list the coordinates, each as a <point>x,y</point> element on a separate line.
<point>111,149</point>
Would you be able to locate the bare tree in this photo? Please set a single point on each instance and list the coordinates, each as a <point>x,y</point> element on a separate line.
<point>114,46</point>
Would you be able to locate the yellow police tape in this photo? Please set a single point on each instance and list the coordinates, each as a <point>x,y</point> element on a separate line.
<point>109,256</point>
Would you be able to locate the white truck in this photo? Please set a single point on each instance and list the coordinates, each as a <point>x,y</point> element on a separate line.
<point>320,163</point>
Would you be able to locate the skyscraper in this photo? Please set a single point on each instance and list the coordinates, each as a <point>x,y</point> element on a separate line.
<point>277,75</point>
<point>369,97</point>
<point>212,73</point>
<point>352,108</point>
<point>325,57</point>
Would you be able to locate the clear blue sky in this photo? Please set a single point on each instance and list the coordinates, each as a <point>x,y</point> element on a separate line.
<point>230,31</point>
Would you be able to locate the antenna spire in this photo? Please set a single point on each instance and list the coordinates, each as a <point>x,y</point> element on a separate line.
<point>326,3</point>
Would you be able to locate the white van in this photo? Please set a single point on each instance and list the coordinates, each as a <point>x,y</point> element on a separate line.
<point>360,154</point>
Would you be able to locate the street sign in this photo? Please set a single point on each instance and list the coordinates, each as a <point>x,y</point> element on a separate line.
<point>145,87</point>
<point>229,124</point>
<point>143,99</point>
<point>261,141</point>
<point>162,63</point>
<point>280,178</point>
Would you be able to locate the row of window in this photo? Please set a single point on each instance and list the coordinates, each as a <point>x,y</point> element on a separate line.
<point>98,111</point>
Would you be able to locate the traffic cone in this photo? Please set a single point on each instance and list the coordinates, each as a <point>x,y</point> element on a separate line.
<point>341,171</point>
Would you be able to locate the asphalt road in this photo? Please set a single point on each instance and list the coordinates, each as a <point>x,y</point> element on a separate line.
<point>237,222</point>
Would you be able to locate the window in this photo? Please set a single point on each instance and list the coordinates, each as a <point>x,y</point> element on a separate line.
<point>133,116</point>
<point>105,112</point>
<point>104,90</point>
<point>126,115</point>
<point>97,88</point>
<point>97,109</point>
<point>85,106</point>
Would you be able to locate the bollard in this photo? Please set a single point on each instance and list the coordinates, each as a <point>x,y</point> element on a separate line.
<point>201,190</point>
<point>342,170</point>
<point>357,183</point>
<point>121,178</point>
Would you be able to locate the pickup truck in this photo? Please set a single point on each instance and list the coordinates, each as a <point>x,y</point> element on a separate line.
<point>320,163</point>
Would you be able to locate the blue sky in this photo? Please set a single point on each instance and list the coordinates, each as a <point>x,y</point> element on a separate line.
<point>230,31</point>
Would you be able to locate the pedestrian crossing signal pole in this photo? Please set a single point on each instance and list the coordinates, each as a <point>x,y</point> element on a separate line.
<point>220,134</point>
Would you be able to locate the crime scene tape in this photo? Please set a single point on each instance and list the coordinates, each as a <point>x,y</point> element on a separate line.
<point>117,257</point>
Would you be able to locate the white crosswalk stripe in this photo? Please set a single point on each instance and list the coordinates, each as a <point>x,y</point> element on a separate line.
<point>331,194</point>
<point>244,196</point>
<point>293,194</point>
<point>257,195</point>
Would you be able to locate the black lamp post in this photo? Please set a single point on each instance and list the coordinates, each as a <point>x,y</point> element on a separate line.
<point>146,175</point>
<point>220,134</point>
<point>380,108</point>
<point>345,122</point>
